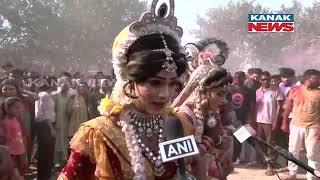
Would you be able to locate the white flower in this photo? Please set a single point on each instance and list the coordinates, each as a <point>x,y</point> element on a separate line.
<point>137,160</point>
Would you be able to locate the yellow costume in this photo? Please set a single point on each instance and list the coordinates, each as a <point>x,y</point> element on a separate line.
<point>100,143</point>
<point>111,147</point>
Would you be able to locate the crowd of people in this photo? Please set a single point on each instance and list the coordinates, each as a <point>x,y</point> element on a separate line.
<point>41,113</point>
<point>284,109</point>
<point>109,126</point>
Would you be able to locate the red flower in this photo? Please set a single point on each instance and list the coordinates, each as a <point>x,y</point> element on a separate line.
<point>206,55</point>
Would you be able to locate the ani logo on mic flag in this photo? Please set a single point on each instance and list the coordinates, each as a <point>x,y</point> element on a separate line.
<point>178,148</point>
<point>244,132</point>
<point>270,22</point>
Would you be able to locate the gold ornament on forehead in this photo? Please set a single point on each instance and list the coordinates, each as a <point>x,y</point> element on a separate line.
<point>169,65</point>
<point>157,20</point>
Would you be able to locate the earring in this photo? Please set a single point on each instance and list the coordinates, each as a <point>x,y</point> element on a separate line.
<point>127,90</point>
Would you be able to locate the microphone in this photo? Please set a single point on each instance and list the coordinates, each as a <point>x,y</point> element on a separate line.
<point>247,133</point>
<point>289,157</point>
<point>173,129</point>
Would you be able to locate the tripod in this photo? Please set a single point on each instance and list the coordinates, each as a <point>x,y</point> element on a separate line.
<point>265,157</point>
<point>288,156</point>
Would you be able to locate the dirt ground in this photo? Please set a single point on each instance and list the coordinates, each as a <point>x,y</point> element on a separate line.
<point>243,173</point>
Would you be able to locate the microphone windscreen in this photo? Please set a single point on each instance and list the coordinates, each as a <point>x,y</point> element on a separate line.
<point>172,128</point>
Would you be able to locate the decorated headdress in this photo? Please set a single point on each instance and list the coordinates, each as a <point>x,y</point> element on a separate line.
<point>203,77</point>
<point>156,21</point>
<point>207,51</point>
<point>211,53</point>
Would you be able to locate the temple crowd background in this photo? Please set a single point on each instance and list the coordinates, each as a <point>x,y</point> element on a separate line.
<point>49,85</point>
<point>30,99</point>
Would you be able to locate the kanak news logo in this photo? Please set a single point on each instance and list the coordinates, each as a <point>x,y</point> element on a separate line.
<point>270,22</point>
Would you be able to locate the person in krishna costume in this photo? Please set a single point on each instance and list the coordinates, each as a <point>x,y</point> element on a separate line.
<point>199,106</point>
<point>123,144</point>
<point>206,51</point>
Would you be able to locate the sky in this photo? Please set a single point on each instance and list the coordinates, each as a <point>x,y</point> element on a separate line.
<point>188,10</point>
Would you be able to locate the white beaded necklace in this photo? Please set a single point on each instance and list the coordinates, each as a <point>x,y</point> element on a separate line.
<point>149,125</point>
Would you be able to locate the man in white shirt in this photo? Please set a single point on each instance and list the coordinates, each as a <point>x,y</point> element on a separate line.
<point>268,105</point>
<point>71,91</point>
<point>287,83</point>
<point>44,120</point>
<point>287,80</point>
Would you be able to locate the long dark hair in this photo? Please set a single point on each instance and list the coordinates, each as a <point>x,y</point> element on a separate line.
<point>222,45</point>
<point>9,102</point>
<point>11,82</point>
<point>145,62</point>
<point>217,78</point>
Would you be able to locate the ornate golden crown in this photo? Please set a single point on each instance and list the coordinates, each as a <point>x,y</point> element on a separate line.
<point>159,20</point>
<point>154,21</point>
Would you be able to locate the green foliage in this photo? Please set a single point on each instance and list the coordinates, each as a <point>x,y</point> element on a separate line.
<point>63,34</point>
<point>265,50</point>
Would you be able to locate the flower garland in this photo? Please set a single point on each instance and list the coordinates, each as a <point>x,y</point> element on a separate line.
<point>108,108</point>
<point>111,109</point>
<point>137,160</point>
